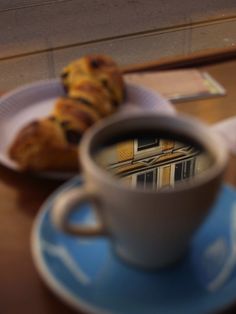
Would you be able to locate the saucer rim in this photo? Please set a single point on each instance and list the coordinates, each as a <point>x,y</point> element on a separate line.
<point>55,286</point>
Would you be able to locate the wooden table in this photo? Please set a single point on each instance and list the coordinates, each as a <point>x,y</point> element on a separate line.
<point>21,289</point>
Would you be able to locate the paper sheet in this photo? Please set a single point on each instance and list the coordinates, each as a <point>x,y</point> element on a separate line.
<point>179,85</point>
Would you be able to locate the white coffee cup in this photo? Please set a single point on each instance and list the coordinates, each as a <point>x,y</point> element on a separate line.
<point>147,228</point>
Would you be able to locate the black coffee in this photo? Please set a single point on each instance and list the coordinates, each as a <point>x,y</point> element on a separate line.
<point>153,162</point>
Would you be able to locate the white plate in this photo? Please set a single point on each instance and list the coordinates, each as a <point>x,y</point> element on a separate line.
<point>36,100</point>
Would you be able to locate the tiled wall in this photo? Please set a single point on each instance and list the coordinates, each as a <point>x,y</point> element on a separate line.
<point>38,37</point>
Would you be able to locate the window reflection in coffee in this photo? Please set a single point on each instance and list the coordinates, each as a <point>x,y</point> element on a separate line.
<point>153,162</point>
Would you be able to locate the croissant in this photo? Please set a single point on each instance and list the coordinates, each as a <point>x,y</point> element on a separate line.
<point>74,114</point>
<point>102,68</point>
<point>89,91</point>
<point>42,145</point>
<point>94,89</point>
<point>51,143</point>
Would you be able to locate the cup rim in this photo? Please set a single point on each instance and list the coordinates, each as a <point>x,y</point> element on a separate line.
<point>196,129</point>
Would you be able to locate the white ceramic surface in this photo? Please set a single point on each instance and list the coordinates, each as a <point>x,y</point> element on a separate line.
<point>36,100</point>
<point>156,229</point>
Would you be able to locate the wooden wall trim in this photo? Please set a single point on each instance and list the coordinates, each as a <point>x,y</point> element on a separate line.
<point>208,56</point>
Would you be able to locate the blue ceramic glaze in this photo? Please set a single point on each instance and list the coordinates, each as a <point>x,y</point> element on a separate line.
<point>86,274</point>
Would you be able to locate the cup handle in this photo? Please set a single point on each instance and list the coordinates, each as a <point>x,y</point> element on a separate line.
<point>67,203</point>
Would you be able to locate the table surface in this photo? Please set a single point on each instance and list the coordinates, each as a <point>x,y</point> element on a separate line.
<point>21,288</point>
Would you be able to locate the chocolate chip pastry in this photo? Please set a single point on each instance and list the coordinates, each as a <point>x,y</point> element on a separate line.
<point>94,89</point>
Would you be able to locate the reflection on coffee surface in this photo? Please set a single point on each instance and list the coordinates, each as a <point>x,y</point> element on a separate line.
<point>154,163</point>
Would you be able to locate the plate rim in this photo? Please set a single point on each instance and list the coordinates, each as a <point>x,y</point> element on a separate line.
<point>41,266</point>
<point>57,175</point>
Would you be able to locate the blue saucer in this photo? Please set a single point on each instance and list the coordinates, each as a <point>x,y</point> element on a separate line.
<point>85,273</point>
